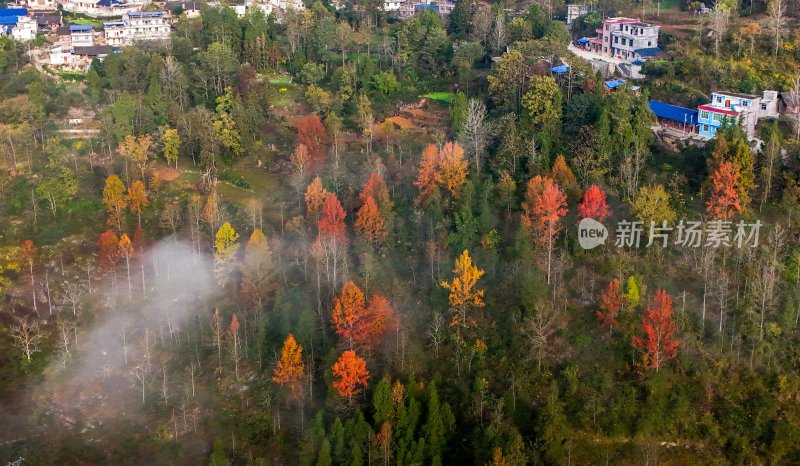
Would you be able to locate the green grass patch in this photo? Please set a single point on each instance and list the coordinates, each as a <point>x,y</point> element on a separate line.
<point>280,80</point>
<point>71,76</point>
<point>443,97</point>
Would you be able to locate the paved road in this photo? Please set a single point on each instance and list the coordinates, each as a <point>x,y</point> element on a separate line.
<point>592,56</point>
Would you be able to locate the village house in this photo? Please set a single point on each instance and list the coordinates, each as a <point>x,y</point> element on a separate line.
<point>47,22</point>
<point>626,39</point>
<point>576,10</point>
<point>81,35</point>
<point>136,27</point>
<point>46,5</point>
<point>14,22</point>
<point>78,58</point>
<point>735,108</point>
<point>101,8</point>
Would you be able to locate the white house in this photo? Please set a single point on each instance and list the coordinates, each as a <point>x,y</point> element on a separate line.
<point>15,22</point>
<point>101,8</point>
<point>81,35</point>
<point>136,27</point>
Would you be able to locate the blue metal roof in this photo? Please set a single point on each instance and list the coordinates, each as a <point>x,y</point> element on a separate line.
<point>559,69</point>
<point>673,112</point>
<point>583,40</point>
<point>637,63</point>
<point>80,28</point>
<point>426,7</point>
<point>614,83</point>
<point>110,3</point>
<point>135,14</point>
<point>8,20</point>
<point>13,11</point>
<point>649,52</point>
<point>114,23</point>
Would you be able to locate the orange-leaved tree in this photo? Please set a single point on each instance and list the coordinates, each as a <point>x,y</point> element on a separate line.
<point>426,179</point>
<point>610,305</point>
<point>290,369</point>
<point>378,320</point>
<point>659,344</point>
<point>257,271</point>
<point>594,204</point>
<point>543,208</point>
<point>724,200</point>
<point>348,309</point>
<point>351,375</point>
<point>315,197</point>
<point>451,172</point>
<point>369,221</point>
<point>463,291</point>
<point>125,247</point>
<point>108,249</point>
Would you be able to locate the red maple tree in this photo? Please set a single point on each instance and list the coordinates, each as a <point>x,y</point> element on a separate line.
<point>376,188</point>
<point>311,132</point>
<point>379,319</point>
<point>108,249</point>
<point>724,200</point>
<point>659,344</point>
<point>543,208</point>
<point>351,375</point>
<point>594,204</point>
<point>331,221</point>
<point>610,305</point>
<point>316,194</point>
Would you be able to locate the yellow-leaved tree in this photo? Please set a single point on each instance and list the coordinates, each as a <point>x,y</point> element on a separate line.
<point>225,247</point>
<point>463,291</point>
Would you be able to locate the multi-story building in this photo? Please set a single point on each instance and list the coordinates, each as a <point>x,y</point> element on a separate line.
<point>393,5</point>
<point>15,22</point>
<point>81,35</point>
<point>138,26</point>
<point>728,108</point>
<point>48,5</point>
<point>625,38</point>
<point>576,10</point>
<point>735,108</point>
<point>101,8</point>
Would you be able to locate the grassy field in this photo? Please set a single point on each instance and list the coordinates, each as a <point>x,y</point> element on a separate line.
<point>443,97</point>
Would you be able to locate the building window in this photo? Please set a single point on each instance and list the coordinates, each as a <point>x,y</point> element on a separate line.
<point>763,106</point>
<point>705,128</point>
<point>717,117</point>
<point>704,114</point>
<point>649,43</point>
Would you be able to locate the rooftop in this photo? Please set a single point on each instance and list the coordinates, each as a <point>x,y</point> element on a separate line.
<point>735,94</point>
<point>619,20</point>
<point>93,50</point>
<point>648,52</point>
<point>673,112</point>
<point>80,28</point>
<point>146,14</point>
<point>13,12</point>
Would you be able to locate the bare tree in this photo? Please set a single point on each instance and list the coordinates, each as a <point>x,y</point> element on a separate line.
<point>217,333</point>
<point>72,295</point>
<point>538,329</point>
<point>768,274</point>
<point>170,217</point>
<point>793,102</point>
<point>26,336</point>
<point>64,332</point>
<point>770,161</point>
<point>254,212</point>
<point>777,20</point>
<point>436,333</point>
<point>142,375</point>
<point>718,23</point>
<point>475,131</point>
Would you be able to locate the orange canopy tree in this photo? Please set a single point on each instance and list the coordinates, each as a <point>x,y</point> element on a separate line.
<point>351,375</point>
<point>290,369</point>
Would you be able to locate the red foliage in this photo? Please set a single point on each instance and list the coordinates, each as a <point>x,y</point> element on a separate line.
<point>331,222</point>
<point>376,188</point>
<point>348,309</point>
<point>311,132</point>
<point>610,305</point>
<point>426,180</point>
<point>724,200</point>
<point>594,204</point>
<point>658,344</point>
<point>543,208</point>
<point>108,249</point>
<point>379,319</point>
<point>351,375</point>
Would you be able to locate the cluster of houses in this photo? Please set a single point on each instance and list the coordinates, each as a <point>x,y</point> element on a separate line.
<point>725,108</point>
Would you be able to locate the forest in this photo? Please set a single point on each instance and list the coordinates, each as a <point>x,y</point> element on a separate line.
<point>334,237</point>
